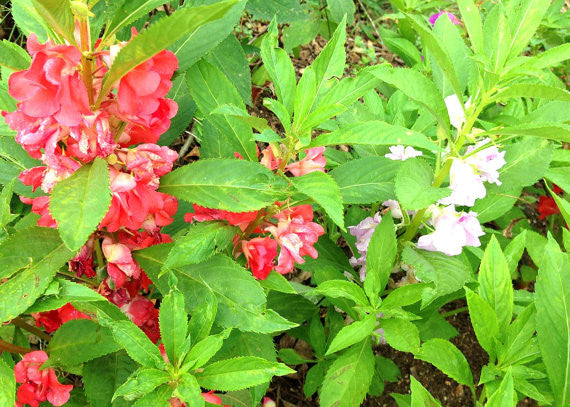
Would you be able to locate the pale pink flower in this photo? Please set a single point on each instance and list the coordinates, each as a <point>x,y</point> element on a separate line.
<point>363,233</point>
<point>465,183</point>
<point>456,110</point>
<point>402,153</point>
<point>395,209</point>
<point>487,161</point>
<point>313,161</point>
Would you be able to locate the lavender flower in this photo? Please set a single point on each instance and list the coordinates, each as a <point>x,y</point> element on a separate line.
<point>363,233</point>
<point>433,18</point>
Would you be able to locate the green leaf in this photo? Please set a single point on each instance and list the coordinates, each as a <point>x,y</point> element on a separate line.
<point>353,333</point>
<point>348,90</point>
<point>524,22</point>
<point>532,90</point>
<point>211,89</point>
<point>290,357</point>
<point>286,11</point>
<point>520,335</point>
<point>258,123</point>
<point>157,398</point>
<point>189,391</point>
<point>438,52</point>
<point>241,300</point>
<point>342,289</point>
<point>127,11</point>
<point>321,188</point>
<point>239,373</point>
<point>472,20</point>
<point>79,341</point>
<point>380,258</point>
<point>202,241</point>
<point>173,324</point>
<point>563,205</point>
<point>306,92</point>
<point>277,282</point>
<point>420,396</point>
<point>279,67</point>
<point>348,378</point>
<point>7,380</point>
<point>514,250</point>
<point>552,293</point>
<point>505,395</point>
<point>402,296</point>
<point>186,110</point>
<point>28,20</point>
<point>6,215</point>
<point>559,176</point>
<point>80,202</point>
<point>447,358</point>
<point>13,57</point>
<point>418,88</point>
<point>413,185</point>
<point>48,254</point>
<point>548,58</point>
<point>366,180</point>
<point>401,334</point>
<point>484,321</point>
<point>159,36</point>
<point>375,133</point>
<point>102,376</point>
<point>204,350</point>
<point>495,285</point>
<point>141,382</point>
<point>552,131</point>
<point>496,40</point>
<point>340,8</point>
<point>135,342</point>
<point>233,185</point>
<point>211,36</point>
<point>58,16</point>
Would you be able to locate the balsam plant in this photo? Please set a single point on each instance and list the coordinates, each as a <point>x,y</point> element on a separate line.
<point>152,283</point>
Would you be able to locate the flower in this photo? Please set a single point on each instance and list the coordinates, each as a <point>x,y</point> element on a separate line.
<point>433,18</point>
<point>313,161</point>
<point>38,386</point>
<point>142,312</point>
<point>82,263</point>
<point>453,230</point>
<point>40,206</point>
<point>260,253</point>
<point>400,153</point>
<point>148,162</point>
<point>487,162</point>
<point>395,209</point>
<point>363,233</point>
<point>296,235</point>
<point>120,263</point>
<point>547,206</point>
<point>269,160</point>
<point>201,214</point>
<point>456,111</point>
<point>52,320</point>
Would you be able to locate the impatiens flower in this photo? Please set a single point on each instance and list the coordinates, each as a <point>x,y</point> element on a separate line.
<point>453,230</point>
<point>201,214</point>
<point>142,312</point>
<point>40,206</point>
<point>296,235</point>
<point>148,162</point>
<point>268,402</point>
<point>269,160</point>
<point>38,385</point>
<point>120,263</point>
<point>92,138</point>
<point>313,161</point>
<point>400,153</point>
<point>395,209</point>
<point>488,161</point>
<point>260,253</point>
<point>363,233</point>
<point>82,263</point>
<point>433,18</point>
<point>52,320</point>
<point>211,398</point>
<point>455,110</point>
<point>547,206</point>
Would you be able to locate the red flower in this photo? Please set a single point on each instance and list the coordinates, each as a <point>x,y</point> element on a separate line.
<point>201,214</point>
<point>38,386</point>
<point>142,312</point>
<point>40,206</point>
<point>148,162</point>
<point>260,253</point>
<point>120,263</point>
<point>82,263</point>
<point>52,320</point>
<point>547,206</point>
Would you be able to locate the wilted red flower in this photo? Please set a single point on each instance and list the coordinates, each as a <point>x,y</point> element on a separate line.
<point>142,312</point>
<point>38,385</point>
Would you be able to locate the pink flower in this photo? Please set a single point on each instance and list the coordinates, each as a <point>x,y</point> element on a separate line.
<point>260,253</point>
<point>400,153</point>
<point>33,177</point>
<point>487,162</point>
<point>363,233</point>
<point>120,263</point>
<point>296,236</point>
<point>453,230</point>
<point>52,320</point>
<point>153,127</point>
<point>40,206</point>
<point>395,209</point>
<point>267,402</point>
<point>91,138</point>
<point>313,161</point>
<point>433,18</point>
<point>201,214</point>
<point>34,134</point>
<point>142,312</point>
<point>38,386</point>
<point>269,160</point>
<point>211,398</point>
<point>148,162</point>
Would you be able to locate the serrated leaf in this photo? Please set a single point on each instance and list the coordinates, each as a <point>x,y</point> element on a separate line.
<point>472,20</point>
<point>79,341</point>
<point>495,285</point>
<point>380,258</point>
<point>160,36</point>
<point>5,197</point>
<point>277,282</point>
<point>376,133</point>
<point>324,191</point>
<point>353,333</point>
<point>420,396</point>
<point>28,20</point>
<point>58,16</point>
<point>157,398</point>
<point>203,318</point>
<point>447,358</point>
<point>13,57</point>
<point>366,180</point>
<point>240,373</point>
<point>204,350</point>
<point>141,382</point>
<point>401,334</point>
<point>126,11</point>
<point>7,380</point>
<point>413,185</point>
<point>342,289</point>
<point>524,23</point>
<point>552,293</point>
<point>348,378</point>
<point>189,391</point>
<point>306,92</point>
<point>233,185</point>
<point>504,396</point>
<point>80,202</point>
<point>291,357</point>
<point>173,325</point>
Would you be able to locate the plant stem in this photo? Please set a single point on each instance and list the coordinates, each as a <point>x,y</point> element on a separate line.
<point>9,347</point>
<point>71,275</point>
<point>85,59</point>
<point>19,322</point>
<point>455,311</point>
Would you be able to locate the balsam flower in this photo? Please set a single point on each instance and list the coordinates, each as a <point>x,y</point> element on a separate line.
<point>402,153</point>
<point>52,320</point>
<point>433,18</point>
<point>40,206</point>
<point>453,231</point>
<point>260,252</point>
<point>142,312</point>
<point>314,160</point>
<point>120,262</point>
<point>363,233</point>
<point>240,219</point>
<point>455,110</point>
<point>38,385</point>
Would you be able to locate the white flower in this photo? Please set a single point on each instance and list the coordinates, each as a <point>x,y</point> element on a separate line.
<point>395,209</point>
<point>400,153</point>
<point>487,161</point>
<point>455,110</point>
<point>467,186</point>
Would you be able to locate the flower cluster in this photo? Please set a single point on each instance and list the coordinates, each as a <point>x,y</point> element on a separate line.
<point>64,120</point>
<point>38,385</point>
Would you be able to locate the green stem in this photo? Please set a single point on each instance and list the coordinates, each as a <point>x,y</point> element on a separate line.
<point>20,323</point>
<point>455,311</point>
<point>75,277</point>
